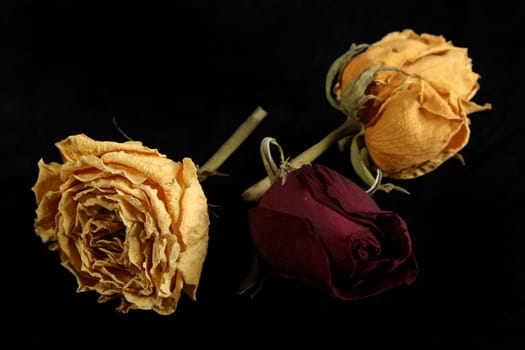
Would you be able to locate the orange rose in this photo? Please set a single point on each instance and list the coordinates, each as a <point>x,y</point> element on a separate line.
<point>127,221</point>
<point>416,102</point>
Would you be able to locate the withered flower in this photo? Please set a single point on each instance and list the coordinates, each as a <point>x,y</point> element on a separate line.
<point>416,98</point>
<point>127,221</point>
<point>321,229</point>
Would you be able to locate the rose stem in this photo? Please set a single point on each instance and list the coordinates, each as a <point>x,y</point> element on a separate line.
<point>349,127</point>
<point>232,143</point>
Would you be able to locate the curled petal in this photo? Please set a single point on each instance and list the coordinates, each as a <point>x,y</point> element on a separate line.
<point>73,147</point>
<point>409,133</point>
<point>127,222</point>
<point>413,132</point>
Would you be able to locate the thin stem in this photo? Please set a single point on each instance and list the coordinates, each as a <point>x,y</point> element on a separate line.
<point>232,143</point>
<point>349,127</point>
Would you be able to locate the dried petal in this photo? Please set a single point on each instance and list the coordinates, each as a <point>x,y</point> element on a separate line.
<point>127,221</point>
<point>418,117</point>
<point>323,230</point>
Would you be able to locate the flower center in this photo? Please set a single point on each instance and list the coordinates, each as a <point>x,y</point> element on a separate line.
<point>365,249</point>
<point>107,232</point>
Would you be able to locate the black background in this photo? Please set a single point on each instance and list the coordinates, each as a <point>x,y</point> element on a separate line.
<point>180,78</point>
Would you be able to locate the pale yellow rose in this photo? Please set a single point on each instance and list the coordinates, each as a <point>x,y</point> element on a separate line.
<point>128,222</point>
<point>418,116</point>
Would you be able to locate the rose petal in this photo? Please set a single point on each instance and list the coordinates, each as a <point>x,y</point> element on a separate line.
<point>414,127</point>
<point>290,247</point>
<point>121,217</point>
<point>331,188</point>
<point>75,146</point>
<point>193,228</point>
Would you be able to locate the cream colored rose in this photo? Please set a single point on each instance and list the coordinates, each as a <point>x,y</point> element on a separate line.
<point>417,118</point>
<point>127,221</point>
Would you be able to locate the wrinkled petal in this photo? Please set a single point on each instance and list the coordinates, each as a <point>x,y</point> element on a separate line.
<point>75,146</point>
<point>193,228</point>
<point>322,229</point>
<point>413,131</point>
<point>428,128</point>
<point>48,179</point>
<point>128,222</point>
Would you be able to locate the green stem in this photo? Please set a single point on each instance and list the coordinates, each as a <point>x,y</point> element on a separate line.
<point>232,143</point>
<point>349,127</point>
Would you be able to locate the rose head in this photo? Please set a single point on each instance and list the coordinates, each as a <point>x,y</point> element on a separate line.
<point>127,221</point>
<point>417,116</point>
<point>323,230</point>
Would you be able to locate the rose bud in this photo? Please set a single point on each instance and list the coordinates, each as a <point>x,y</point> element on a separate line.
<point>416,102</point>
<point>321,229</point>
<point>127,222</point>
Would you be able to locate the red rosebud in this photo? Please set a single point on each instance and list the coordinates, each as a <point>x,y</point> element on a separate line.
<point>322,229</point>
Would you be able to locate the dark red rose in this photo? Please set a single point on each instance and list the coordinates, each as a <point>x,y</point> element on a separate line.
<point>322,229</point>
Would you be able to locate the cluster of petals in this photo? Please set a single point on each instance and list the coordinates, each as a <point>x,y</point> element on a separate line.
<point>127,221</point>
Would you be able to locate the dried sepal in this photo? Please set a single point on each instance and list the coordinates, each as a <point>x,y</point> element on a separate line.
<point>354,94</point>
<point>333,75</point>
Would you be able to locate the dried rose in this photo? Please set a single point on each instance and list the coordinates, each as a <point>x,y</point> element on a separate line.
<point>321,229</point>
<point>417,98</point>
<point>127,221</point>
